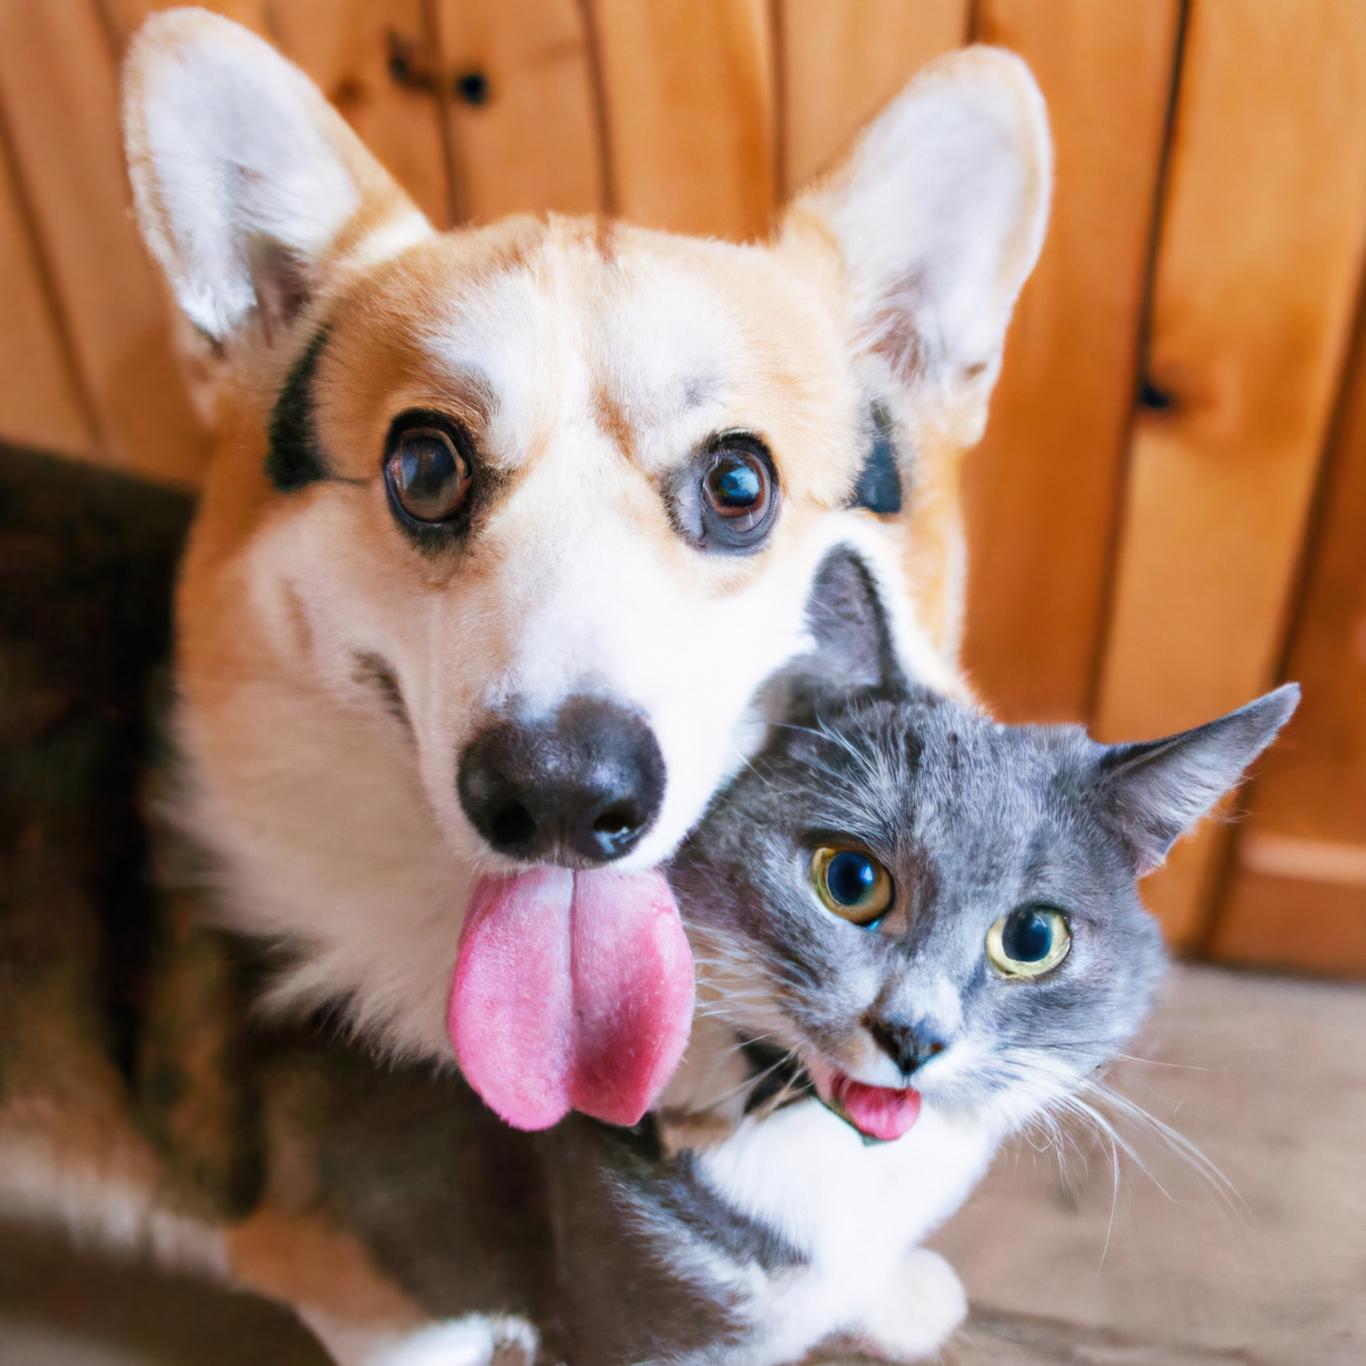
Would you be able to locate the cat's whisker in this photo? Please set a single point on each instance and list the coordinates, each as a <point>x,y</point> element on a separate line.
<point>1160,1062</point>
<point>1174,1141</point>
<point>1107,1047</point>
<point>753,1081</point>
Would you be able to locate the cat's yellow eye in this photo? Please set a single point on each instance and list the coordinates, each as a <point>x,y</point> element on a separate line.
<point>1028,942</point>
<point>851,883</point>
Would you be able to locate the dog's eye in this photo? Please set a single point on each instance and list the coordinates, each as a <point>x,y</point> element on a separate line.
<point>852,884</point>
<point>737,485</point>
<point>1031,940</point>
<point>738,493</point>
<point>428,476</point>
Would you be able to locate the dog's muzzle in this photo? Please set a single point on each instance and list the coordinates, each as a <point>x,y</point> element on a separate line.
<point>579,787</point>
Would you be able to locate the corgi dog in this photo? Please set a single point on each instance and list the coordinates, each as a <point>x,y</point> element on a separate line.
<point>506,527</point>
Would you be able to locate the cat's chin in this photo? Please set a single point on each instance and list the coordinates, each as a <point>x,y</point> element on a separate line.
<point>880,1114</point>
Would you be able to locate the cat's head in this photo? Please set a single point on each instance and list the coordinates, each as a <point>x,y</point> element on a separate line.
<point>924,903</point>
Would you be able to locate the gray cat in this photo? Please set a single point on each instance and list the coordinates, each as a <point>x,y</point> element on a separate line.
<point>917,931</point>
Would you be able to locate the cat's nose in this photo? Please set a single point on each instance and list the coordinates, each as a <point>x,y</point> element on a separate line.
<point>579,787</point>
<point>908,1045</point>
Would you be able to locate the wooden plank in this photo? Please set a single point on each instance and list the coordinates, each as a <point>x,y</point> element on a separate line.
<point>60,103</point>
<point>519,95</point>
<point>40,402</point>
<point>1297,894</point>
<point>124,17</point>
<point>841,62</point>
<point>1041,492</point>
<point>1294,924</point>
<point>1260,254</point>
<point>688,94</point>
<point>348,47</point>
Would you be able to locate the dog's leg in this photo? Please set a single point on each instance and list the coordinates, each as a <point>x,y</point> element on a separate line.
<point>327,1276</point>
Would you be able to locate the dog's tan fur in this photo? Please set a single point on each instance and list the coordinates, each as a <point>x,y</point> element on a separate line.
<point>598,357</point>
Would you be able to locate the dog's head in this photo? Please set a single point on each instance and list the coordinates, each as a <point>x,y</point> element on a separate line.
<point>507,525</point>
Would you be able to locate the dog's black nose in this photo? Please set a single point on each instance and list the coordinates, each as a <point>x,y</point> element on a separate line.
<point>909,1046</point>
<point>581,786</point>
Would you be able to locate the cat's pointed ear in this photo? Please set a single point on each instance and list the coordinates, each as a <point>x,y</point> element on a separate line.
<point>244,178</point>
<point>938,216</point>
<point>1153,792</point>
<point>851,640</point>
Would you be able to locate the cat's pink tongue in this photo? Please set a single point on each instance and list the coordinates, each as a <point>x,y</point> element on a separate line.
<point>572,991</point>
<point>878,1111</point>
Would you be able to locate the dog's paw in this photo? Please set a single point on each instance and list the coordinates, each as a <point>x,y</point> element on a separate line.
<point>927,1304</point>
<point>478,1340</point>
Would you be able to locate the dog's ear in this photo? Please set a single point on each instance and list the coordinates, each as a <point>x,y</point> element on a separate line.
<point>1155,791</point>
<point>244,177</point>
<point>938,213</point>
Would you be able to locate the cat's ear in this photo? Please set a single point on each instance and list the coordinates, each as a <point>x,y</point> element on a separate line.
<point>1153,792</point>
<point>938,215</point>
<point>851,639</point>
<point>245,180</point>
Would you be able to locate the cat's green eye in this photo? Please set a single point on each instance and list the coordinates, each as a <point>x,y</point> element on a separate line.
<point>852,884</point>
<point>1028,942</point>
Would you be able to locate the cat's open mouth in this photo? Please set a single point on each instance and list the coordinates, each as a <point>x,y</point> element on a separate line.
<point>880,1113</point>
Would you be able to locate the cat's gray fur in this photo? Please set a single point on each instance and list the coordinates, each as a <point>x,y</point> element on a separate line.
<point>745,1222</point>
<point>972,818</point>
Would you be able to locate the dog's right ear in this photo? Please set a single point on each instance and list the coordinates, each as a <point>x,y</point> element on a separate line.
<point>244,177</point>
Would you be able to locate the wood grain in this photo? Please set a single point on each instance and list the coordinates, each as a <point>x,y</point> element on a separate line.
<point>1297,894</point>
<point>688,92</point>
<point>60,104</point>
<point>346,48</point>
<point>1041,492</point>
<point>841,62</point>
<point>1260,253</point>
<point>519,98</point>
<point>40,403</point>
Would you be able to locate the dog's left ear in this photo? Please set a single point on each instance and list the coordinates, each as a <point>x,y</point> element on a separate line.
<point>938,214</point>
<point>245,179</point>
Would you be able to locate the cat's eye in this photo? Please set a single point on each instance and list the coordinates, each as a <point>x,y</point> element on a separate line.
<point>852,884</point>
<point>1030,941</point>
<point>427,472</point>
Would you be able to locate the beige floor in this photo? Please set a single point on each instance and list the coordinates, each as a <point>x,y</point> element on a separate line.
<point>1267,1077</point>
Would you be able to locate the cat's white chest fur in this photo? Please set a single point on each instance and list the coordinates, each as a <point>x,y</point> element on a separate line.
<point>857,1214</point>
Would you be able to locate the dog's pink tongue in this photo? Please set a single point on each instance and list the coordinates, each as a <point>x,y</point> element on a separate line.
<point>572,991</point>
<point>878,1111</point>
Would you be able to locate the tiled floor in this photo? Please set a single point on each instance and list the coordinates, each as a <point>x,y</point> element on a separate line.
<point>1267,1077</point>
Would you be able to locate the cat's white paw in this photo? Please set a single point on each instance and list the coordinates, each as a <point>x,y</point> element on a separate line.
<point>478,1340</point>
<point>926,1305</point>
